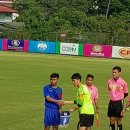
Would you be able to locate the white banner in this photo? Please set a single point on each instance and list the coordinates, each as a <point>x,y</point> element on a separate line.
<point>69,48</point>
<point>120,52</point>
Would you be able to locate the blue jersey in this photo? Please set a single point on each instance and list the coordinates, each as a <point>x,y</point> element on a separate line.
<point>55,93</point>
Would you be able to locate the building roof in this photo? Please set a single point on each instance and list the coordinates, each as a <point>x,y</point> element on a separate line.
<point>8,26</point>
<point>7,9</point>
<point>6,6</point>
<point>6,1</point>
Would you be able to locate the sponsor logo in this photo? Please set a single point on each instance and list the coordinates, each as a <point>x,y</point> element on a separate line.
<point>124,52</point>
<point>50,90</point>
<point>69,48</point>
<point>97,48</point>
<point>116,88</point>
<point>42,46</point>
<point>97,54</point>
<point>15,43</point>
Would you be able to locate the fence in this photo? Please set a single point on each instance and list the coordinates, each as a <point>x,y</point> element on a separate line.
<point>95,38</point>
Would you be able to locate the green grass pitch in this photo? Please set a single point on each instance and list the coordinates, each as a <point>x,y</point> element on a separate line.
<point>22,76</point>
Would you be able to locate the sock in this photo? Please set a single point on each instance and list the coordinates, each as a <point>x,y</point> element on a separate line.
<point>112,127</point>
<point>119,127</point>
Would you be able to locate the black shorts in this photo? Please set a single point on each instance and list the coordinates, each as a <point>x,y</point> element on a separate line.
<point>86,120</point>
<point>115,108</point>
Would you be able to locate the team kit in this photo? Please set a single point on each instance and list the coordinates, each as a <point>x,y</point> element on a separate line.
<point>86,102</point>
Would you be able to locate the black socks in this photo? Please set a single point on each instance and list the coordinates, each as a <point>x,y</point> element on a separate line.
<point>112,127</point>
<point>119,127</point>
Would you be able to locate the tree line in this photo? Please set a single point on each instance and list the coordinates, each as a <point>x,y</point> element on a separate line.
<point>102,21</point>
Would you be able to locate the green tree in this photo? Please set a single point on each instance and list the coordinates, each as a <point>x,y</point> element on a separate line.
<point>116,6</point>
<point>53,6</point>
<point>84,18</point>
<point>31,13</point>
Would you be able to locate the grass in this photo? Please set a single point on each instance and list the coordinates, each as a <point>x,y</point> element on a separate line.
<point>23,75</point>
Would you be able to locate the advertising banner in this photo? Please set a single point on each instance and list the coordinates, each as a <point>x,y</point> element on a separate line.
<point>97,50</point>
<point>0,44</point>
<point>71,48</point>
<point>15,45</point>
<point>120,52</point>
<point>42,46</point>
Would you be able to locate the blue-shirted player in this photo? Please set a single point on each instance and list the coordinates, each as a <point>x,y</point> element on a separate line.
<point>53,103</point>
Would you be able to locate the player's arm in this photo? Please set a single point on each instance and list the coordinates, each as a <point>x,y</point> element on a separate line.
<point>48,98</point>
<point>60,98</point>
<point>125,107</point>
<point>125,95</point>
<point>125,89</point>
<point>79,104</point>
<point>74,109</point>
<point>108,87</point>
<point>60,109</point>
<point>96,105</point>
<point>68,102</point>
<point>96,101</point>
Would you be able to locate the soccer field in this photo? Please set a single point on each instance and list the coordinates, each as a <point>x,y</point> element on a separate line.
<point>23,75</point>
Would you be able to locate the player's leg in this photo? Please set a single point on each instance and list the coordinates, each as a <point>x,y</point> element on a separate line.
<point>55,127</point>
<point>80,128</point>
<point>86,121</point>
<point>85,128</point>
<point>82,122</point>
<point>47,128</point>
<point>48,118</point>
<point>88,128</point>
<point>119,123</point>
<point>56,119</point>
<point>111,115</point>
<point>119,108</point>
<point>112,123</point>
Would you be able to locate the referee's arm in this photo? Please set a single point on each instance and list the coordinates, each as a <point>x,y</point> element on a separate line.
<point>125,95</point>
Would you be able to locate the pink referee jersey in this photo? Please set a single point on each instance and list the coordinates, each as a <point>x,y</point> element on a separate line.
<point>117,88</point>
<point>94,92</point>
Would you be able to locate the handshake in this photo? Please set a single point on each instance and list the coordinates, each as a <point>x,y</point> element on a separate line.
<point>61,102</point>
